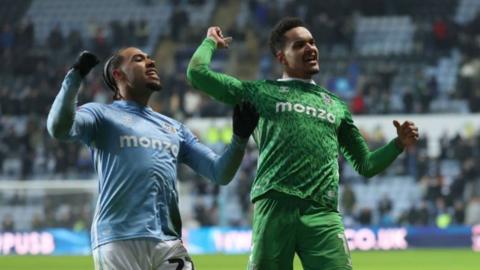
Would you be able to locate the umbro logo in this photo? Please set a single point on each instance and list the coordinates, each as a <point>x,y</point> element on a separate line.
<point>127,119</point>
<point>283,89</point>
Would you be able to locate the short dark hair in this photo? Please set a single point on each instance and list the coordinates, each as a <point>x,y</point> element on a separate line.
<point>277,36</point>
<point>112,63</point>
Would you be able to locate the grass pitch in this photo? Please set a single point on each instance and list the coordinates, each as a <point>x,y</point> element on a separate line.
<point>440,259</point>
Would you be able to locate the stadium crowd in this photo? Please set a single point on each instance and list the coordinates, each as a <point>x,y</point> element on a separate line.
<point>31,71</point>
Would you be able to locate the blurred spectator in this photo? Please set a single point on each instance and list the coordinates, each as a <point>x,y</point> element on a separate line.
<point>7,38</point>
<point>384,208</point>
<point>422,217</point>
<point>433,188</point>
<point>142,31</point>
<point>118,33</point>
<point>384,205</point>
<point>442,214</point>
<point>206,215</point>
<point>472,213</point>
<point>8,225</point>
<point>100,43</point>
<point>365,217</point>
<point>408,101</point>
<point>178,21</point>
<point>56,39</point>
<point>74,42</point>
<point>440,33</point>
<point>348,200</point>
<point>37,222</point>
<point>358,103</point>
<point>459,212</point>
<point>25,35</point>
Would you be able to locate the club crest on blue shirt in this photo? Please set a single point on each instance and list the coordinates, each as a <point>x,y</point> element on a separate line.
<point>326,98</point>
<point>169,128</point>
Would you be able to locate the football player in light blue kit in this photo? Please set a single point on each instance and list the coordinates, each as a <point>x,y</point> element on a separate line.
<point>136,150</point>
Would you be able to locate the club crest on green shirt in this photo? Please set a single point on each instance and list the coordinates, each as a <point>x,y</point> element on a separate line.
<point>326,98</point>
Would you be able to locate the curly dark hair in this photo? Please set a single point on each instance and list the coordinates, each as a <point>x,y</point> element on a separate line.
<point>277,36</point>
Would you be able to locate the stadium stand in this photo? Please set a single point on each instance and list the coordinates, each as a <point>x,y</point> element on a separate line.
<point>402,57</point>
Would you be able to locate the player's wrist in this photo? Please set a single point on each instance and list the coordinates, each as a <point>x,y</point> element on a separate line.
<point>399,144</point>
<point>72,79</point>
<point>73,72</point>
<point>238,140</point>
<point>211,41</point>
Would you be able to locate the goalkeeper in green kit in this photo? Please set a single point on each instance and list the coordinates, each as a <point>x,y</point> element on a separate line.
<point>302,129</point>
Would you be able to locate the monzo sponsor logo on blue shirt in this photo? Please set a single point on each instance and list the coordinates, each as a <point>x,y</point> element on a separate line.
<point>145,142</point>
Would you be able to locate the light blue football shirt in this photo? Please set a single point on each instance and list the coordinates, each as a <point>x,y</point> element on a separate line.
<point>136,151</point>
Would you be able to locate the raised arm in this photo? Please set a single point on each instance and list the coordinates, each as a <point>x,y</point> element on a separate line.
<point>369,163</point>
<point>62,115</point>
<point>222,87</point>
<point>222,168</point>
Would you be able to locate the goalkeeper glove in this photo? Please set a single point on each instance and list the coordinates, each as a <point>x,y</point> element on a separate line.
<point>245,119</point>
<point>85,62</point>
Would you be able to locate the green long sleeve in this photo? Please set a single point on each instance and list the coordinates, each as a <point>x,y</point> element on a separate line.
<point>222,87</point>
<point>355,149</point>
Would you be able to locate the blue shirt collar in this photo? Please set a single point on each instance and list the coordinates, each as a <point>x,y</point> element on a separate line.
<point>131,104</point>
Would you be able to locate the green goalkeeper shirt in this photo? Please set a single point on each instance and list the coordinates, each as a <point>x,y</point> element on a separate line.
<point>302,129</point>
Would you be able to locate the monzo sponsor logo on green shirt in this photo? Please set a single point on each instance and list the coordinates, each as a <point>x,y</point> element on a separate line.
<point>305,109</point>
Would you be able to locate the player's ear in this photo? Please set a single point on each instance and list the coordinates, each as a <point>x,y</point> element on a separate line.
<point>281,58</point>
<point>117,74</point>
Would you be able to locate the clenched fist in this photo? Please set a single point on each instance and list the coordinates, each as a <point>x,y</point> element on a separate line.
<point>85,62</point>
<point>215,33</point>
<point>407,133</point>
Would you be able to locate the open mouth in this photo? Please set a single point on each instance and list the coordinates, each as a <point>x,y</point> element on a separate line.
<point>310,59</point>
<point>152,73</point>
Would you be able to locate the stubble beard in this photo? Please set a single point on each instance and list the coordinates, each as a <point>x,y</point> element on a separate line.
<point>154,86</point>
<point>313,71</point>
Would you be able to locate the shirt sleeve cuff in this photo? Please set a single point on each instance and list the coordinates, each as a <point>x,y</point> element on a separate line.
<point>210,42</point>
<point>74,76</point>
<point>396,147</point>
<point>240,142</point>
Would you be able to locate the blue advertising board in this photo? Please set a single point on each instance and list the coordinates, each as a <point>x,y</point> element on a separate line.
<point>48,242</point>
<point>238,240</point>
<point>233,240</point>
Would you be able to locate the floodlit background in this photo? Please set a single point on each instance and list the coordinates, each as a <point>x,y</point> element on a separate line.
<point>405,60</point>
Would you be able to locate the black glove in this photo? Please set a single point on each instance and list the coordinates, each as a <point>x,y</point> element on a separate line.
<point>245,119</point>
<point>85,62</point>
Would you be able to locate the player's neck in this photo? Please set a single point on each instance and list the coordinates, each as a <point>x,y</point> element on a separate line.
<point>289,77</point>
<point>141,98</point>
<point>296,73</point>
<point>141,102</point>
